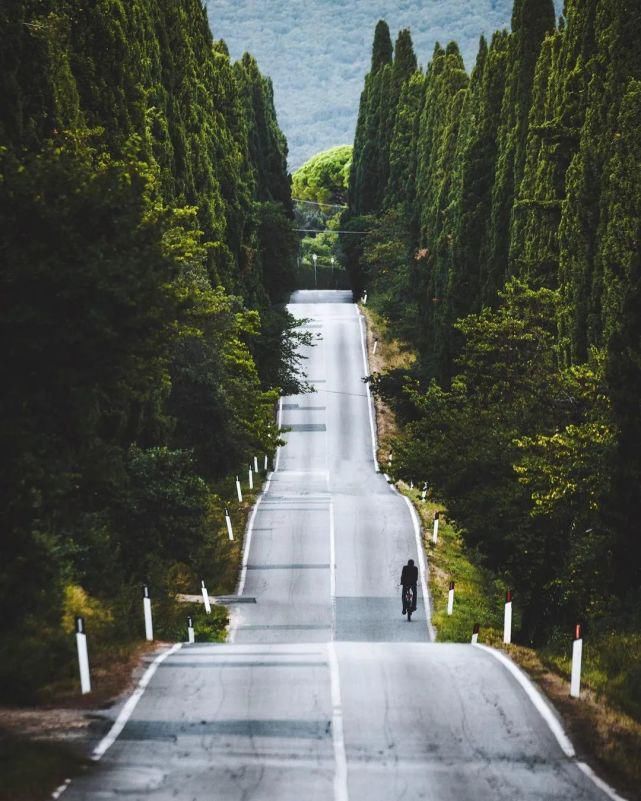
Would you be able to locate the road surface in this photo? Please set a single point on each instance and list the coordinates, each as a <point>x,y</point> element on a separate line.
<point>325,692</point>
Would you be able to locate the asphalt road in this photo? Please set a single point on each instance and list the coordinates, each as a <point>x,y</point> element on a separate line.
<point>325,691</point>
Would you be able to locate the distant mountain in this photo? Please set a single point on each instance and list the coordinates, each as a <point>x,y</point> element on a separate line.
<point>317,51</point>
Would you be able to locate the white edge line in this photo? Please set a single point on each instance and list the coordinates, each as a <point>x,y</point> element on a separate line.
<point>599,782</point>
<point>60,789</point>
<point>536,698</point>
<point>332,565</point>
<point>280,425</point>
<point>369,394</point>
<point>248,536</point>
<point>250,525</point>
<point>125,713</point>
<point>338,737</point>
<point>555,726</point>
<point>422,566</point>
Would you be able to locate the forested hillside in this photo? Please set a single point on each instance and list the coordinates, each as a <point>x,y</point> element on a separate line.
<point>505,209</point>
<point>146,214</point>
<point>316,52</point>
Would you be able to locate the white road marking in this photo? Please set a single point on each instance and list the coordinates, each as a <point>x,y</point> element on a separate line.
<point>338,737</point>
<point>550,719</point>
<point>422,567</point>
<point>125,713</point>
<point>60,790</point>
<point>369,394</point>
<point>248,536</point>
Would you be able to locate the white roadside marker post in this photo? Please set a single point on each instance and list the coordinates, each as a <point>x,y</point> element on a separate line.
<point>507,620</point>
<point>239,492</point>
<point>411,485</point>
<point>375,344</point>
<point>146,604</point>
<point>265,464</point>
<point>450,599</point>
<point>475,633</point>
<point>230,531</point>
<point>190,630</point>
<point>435,530</point>
<point>365,298</point>
<point>206,598</point>
<point>250,473</point>
<point>577,654</point>
<point>424,493</point>
<point>83,656</point>
<point>255,464</point>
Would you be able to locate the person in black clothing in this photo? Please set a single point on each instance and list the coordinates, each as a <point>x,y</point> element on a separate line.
<point>409,578</point>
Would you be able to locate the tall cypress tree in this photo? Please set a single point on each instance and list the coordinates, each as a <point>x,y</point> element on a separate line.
<point>382,51</point>
<point>392,81</point>
<point>446,92</point>
<point>462,287</point>
<point>401,185</point>
<point>537,205</point>
<point>405,63</point>
<point>615,60</point>
<point>531,20</point>
<point>478,153</point>
<point>364,184</point>
<point>557,115</point>
<point>621,265</point>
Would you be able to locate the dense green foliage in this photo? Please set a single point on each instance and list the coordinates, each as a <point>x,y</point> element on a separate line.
<point>145,211</point>
<point>505,249</point>
<point>323,179</point>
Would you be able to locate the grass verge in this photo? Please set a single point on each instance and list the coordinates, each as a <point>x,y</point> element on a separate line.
<point>390,354</point>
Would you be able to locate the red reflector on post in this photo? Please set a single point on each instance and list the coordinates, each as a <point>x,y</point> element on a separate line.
<point>577,631</point>
<point>508,597</point>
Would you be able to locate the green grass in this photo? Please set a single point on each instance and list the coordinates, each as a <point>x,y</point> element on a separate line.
<point>611,667</point>
<point>207,628</point>
<point>31,769</point>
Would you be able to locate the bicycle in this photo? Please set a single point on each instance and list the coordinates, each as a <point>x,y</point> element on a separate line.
<point>409,602</point>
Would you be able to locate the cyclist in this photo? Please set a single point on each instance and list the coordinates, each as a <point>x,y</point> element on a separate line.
<point>409,578</point>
